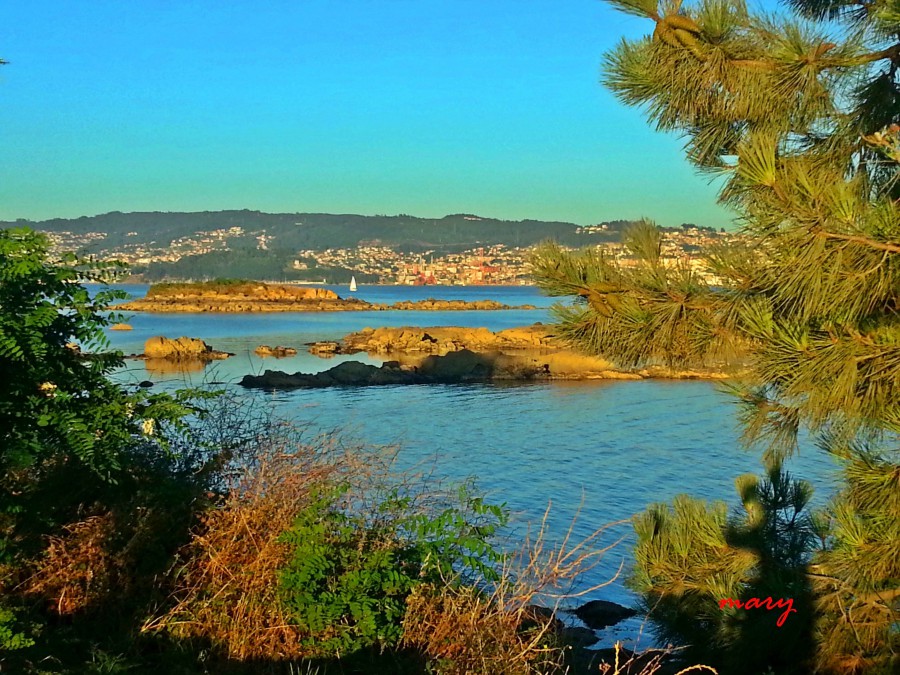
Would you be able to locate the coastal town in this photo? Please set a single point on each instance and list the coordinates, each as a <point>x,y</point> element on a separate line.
<point>489,264</point>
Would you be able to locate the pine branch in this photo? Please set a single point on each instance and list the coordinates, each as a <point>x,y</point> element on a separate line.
<point>858,239</point>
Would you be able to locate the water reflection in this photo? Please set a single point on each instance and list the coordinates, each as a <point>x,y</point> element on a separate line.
<point>175,367</point>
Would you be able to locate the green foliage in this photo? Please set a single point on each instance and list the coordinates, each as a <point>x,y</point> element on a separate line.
<point>12,636</point>
<point>800,119</point>
<point>690,556</point>
<point>349,575</point>
<point>76,448</point>
<point>52,399</point>
<point>56,401</point>
<point>644,313</point>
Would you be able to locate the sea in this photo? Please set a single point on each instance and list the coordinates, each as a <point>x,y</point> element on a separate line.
<point>580,454</point>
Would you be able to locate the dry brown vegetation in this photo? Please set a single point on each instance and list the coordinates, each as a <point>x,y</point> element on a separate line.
<point>226,589</point>
<point>78,568</point>
<point>502,629</point>
<point>228,585</point>
<point>225,585</point>
<point>648,663</point>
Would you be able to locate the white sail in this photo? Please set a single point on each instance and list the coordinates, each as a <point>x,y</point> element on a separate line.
<point>352,283</point>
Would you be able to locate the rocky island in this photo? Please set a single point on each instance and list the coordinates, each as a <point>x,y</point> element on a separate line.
<point>450,355</point>
<point>261,297</point>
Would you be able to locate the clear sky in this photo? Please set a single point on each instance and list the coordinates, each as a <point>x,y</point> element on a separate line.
<point>425,107</point>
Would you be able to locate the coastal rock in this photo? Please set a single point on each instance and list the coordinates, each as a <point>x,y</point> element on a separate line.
<point>448,305</point>
<point>121,326</point>
<point>577,636</point>
<point>261,297</point>
<point>183,348</point>
<point>598,614</point>
<point>239,291</point>
<point>664,372</point>
<point>535,348</point>
<point>349,373</point>
<point>444,339</point>
<point>327,348</point>
<point>455,367</point>
<point>278,352</point>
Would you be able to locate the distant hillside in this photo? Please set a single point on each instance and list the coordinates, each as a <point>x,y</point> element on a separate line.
<point>317,231</point>
<point>304,246</point>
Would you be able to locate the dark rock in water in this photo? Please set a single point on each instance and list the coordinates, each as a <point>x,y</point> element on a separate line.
<point>145,383</point>
<point>599,614</point>
<point>577,636</point>
<point>455,367</point>
<point>351,372</point>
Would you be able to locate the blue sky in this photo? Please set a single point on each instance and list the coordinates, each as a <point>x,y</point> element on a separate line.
<point>424,107</point>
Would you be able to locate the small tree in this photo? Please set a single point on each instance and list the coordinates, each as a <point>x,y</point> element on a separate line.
<point>73,442</point>
<point>55,400</point>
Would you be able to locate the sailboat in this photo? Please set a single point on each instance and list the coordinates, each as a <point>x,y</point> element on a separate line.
<point>352,284</point>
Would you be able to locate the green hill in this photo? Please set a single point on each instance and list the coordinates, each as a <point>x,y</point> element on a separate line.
<point>317,231</point>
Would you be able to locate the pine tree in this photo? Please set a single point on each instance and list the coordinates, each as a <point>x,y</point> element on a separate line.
<point>798,115</point>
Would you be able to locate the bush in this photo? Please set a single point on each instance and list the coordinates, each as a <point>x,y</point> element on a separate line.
<point>315,550</point>
<point>92,505</point>
<point>349,575</point>
<point>690,556</point>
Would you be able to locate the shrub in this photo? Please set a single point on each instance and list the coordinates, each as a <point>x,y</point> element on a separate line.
<point>350,572</point>
<point>315,550</point>
<point>226,584</point>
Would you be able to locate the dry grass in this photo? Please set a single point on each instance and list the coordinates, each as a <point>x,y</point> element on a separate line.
<point>499,629</point>
<point>227,589</point>
<point>77,569</point>
<point>648,663</point>
<point>462,631</point>
<point>502,629</point>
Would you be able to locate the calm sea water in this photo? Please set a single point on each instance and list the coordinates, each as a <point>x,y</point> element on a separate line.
<point>601,450</point>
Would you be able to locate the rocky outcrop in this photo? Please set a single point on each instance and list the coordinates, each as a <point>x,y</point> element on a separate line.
<point>260,297</point>
<point>278,352</point>
<point>437,340</point>
<point>181,349</point>
<point>121,326</point>
<point>538,615</point>
<point>577,636</point>
<point>451,305</point>
<point>455,367</point>
<point>325,349</point>
<point>533,344</point>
